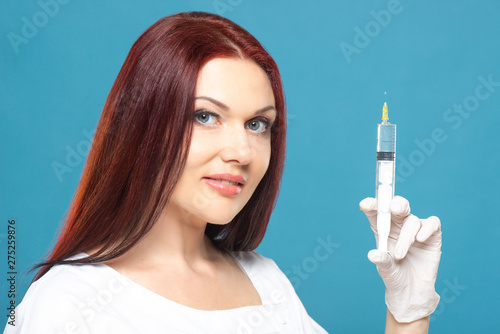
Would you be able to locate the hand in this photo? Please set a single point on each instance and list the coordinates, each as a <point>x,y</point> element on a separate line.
<point>409,268</point>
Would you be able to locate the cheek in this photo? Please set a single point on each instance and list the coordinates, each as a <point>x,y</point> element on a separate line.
<point>268,156</point>
<point>199,151</point>
<point>262,157</point>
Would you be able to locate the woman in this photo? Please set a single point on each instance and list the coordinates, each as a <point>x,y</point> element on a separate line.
<point>178,188</point>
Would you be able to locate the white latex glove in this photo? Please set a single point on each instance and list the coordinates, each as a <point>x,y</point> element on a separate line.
<point>409,268</point>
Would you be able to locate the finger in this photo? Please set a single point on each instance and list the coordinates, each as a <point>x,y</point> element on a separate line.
<point>406,238</point>
<point>369,207</point>
<point>430,233</point>
<point>430,226</point>
<point>400,209</point>
<point>383,260</point>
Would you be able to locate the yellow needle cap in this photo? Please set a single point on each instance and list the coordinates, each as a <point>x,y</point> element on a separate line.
<point>385,113</point>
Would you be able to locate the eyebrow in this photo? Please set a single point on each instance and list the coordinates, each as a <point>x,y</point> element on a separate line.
<point>226,108</point>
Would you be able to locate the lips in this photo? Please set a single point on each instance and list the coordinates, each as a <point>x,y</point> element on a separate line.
<point>226,184</point>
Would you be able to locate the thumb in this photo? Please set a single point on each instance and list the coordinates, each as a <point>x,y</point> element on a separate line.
<point>383,260</point>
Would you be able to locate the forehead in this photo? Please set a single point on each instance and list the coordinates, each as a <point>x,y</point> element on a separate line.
<point>235,82</point>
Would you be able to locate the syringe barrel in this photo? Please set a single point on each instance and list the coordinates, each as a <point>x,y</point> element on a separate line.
<point>386,170</point>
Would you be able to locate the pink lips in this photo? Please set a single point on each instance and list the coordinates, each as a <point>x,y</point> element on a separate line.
<point>226,184</point>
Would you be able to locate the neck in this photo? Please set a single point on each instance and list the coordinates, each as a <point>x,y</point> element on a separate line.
<point>176,235</point>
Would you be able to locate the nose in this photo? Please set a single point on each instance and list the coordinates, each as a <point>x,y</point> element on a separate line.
<point>237,147</point>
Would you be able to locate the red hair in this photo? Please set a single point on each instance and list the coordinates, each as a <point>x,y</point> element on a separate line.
<point>142,141</point>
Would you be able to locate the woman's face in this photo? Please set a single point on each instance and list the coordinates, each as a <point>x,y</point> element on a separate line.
<point>231,141</point>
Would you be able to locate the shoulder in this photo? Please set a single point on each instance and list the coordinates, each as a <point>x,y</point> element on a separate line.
<point>58,301</point>
<point>67,279</point>
<point>265,274</point>
<point>252,261</point>
<point>275,289</point>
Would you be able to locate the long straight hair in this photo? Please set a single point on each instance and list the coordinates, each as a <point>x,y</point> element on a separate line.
<point>142,142</point>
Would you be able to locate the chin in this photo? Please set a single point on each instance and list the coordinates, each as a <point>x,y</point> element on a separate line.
<point>220,220</point>
<point>219,212</point>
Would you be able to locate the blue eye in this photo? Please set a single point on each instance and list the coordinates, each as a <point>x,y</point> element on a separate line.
<point>205,117</point>
<point>258,125</point>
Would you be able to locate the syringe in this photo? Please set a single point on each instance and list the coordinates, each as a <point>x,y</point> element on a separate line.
<point>386,157</point>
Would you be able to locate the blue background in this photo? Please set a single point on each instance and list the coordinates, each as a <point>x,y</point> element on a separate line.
<point>430,56</point>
